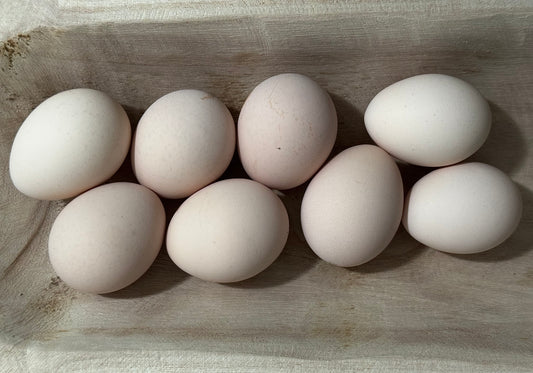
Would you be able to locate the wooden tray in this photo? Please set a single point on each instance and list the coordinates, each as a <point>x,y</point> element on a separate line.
<point>410,309</point>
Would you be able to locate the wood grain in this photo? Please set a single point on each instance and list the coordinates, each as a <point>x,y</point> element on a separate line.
<point>410,309</point>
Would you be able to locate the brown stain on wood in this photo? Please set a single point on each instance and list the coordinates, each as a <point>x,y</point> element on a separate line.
<point>40,314</point>
<point>55,298</point>
<point>14,47</point>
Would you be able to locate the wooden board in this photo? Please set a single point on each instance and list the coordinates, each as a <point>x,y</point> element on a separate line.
<point>410,309</point>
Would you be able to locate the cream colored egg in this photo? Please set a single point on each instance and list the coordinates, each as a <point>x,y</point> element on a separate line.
<point>106,238</point>
<point>463,209</point>
<point>71,142</point>
<point>353,206</point>
<point>286,130</point>
<point>429,120</point>
<point>229,231</point>
<point>184,141</point>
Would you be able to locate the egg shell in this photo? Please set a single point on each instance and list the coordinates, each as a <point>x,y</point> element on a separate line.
<point>229,231</point>
<point>184,141</point>
<point>286,130</point>
<point>106,238</point>
<point>353,206</point>
<point>429,120</point>
<point>463,209</point>
<point>71,142</point>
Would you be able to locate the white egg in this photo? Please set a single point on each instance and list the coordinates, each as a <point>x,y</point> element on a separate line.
<point>71,142</point>
<point>184,141</point>
<point>106,238</point>
<point>229,231</point>
<point>286,130</point>
<point>429,120</point>
<point>463,209</point>
<point>353,206</point>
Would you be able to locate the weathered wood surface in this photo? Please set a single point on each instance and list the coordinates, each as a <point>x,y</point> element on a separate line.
<point>411,309</point>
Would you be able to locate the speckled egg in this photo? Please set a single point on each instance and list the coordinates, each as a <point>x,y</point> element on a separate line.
<point>286,130</point>
<point>184,141</point>
<point>353,206</point>
<point>106,238</point>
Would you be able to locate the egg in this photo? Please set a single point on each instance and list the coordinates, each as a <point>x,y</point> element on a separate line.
<point>286,130</point>
<point>71,142</point>
<point>429,120</point>
<point>106,238</point>
<point>352,208</point>
<point>228,231</point>
<point>184,141</point>
<point>463,209</point>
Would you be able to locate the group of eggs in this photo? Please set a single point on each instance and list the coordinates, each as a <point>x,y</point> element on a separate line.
<point>230,230</point>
